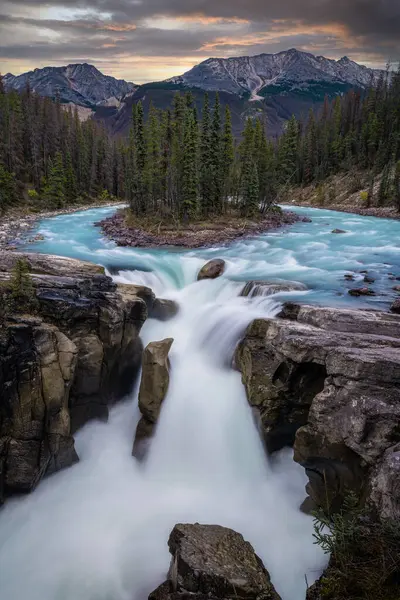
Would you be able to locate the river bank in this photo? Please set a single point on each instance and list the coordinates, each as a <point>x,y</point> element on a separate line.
<point>345,192</point>
<point>124,231</point>
<point>16,225</point>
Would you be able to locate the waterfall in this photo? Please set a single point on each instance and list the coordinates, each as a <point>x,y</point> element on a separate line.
<point>99,530</point>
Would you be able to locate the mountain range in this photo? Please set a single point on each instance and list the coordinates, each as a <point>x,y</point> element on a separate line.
<point>273,85</point>
<point>81,84</point>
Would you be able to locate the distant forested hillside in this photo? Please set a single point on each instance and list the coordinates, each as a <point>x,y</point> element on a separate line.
<point>180,164</point>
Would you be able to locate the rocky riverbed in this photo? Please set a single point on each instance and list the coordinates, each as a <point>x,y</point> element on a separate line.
<point>15,228</point>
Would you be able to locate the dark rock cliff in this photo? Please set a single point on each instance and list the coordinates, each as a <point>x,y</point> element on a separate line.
<point>64,365</point>
<point>326,381</point>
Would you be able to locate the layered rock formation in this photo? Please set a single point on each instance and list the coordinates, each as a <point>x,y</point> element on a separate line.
<point>327,382</point>
<point>64,365</point>
<point>209,561</point>
<point>153,389</point>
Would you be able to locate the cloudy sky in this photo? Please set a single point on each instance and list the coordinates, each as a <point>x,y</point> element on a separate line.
<point>148,40</point>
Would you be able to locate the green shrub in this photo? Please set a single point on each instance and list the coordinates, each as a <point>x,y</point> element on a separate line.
<point>32,194</point>
<point>364,197</point>
<point>23,295</point>
<point>355,184</point>
<point>365,555</point>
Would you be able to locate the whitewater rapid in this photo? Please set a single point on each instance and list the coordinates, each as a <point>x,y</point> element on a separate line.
<point>99,530</point>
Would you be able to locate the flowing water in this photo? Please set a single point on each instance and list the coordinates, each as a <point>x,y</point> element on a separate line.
<point>98,531</point>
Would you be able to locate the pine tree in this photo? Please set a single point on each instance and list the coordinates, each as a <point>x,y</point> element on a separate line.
<point>189,204</point>
<point>249,175</point>
<point>54,192</point>
<point>206,160</point>
<point>215,156</point>
<point>153,157</point>
<point>289,152</point>
<point>23,295</point>
<point>384,186</point>
<point>227,157</point>
<point>140,196</point>
<point>71,188</point>
<point>396,186</point>
<point>8,192</point>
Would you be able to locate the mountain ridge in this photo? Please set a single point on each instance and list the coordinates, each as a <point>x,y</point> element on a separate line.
<point>290,68</point>
<point>273,86</point>
<point>80,83</point>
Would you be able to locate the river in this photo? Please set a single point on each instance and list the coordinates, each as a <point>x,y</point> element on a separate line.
<point>98,531</point>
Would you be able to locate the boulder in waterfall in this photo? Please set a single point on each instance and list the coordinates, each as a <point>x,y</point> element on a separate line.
<point>213,269</point>
<point>268,288</point>
<point>213,562</point>
<point>164,310</point>
<point>153,389</point>
<point>339,231</point>
<point>327,381</point>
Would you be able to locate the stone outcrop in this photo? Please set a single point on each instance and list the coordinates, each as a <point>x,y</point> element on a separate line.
<point>327,382</point>
<point>209,561</point>
<point>164,310</point>
<point>364,291</point>
<point>395,308</point>
<point>211,270</point>
<point>268,288</point>
<point>79,353</point>
<point>153,389</point>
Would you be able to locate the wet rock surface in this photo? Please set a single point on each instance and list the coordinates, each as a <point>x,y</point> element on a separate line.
<point>164,310</point>
<point>153,389</point>
<point>211,270</point>
<point>268,288</point>
<point>62,366</point>
<point>209,561</point>
<point>327,382</point>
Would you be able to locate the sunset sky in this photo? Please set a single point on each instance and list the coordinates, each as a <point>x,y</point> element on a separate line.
<point>148,40</point>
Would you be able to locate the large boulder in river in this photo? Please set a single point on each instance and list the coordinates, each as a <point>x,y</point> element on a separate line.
<point>62,366</point>
<point>153,389</point>
<point>268,288</point>
<point>209,561</point>
<point>213,269</point>
<point>327,381</point>
<point>164,310</point>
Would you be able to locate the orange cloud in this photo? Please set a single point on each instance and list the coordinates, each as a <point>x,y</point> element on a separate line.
<point>204,20</point>
<point>121,27</point>
<point>282,29</point>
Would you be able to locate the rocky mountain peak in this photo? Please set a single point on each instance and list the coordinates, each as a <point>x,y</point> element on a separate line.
<point>81,83</point>
<point>288,69</point>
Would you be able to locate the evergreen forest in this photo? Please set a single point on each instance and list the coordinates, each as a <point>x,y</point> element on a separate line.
<point>181,165</point>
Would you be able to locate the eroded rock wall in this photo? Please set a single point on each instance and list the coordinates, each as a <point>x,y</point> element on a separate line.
<point>327,381</point>
<point>65,365</point>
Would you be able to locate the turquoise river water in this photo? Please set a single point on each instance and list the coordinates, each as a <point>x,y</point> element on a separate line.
<point>99,530</point>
